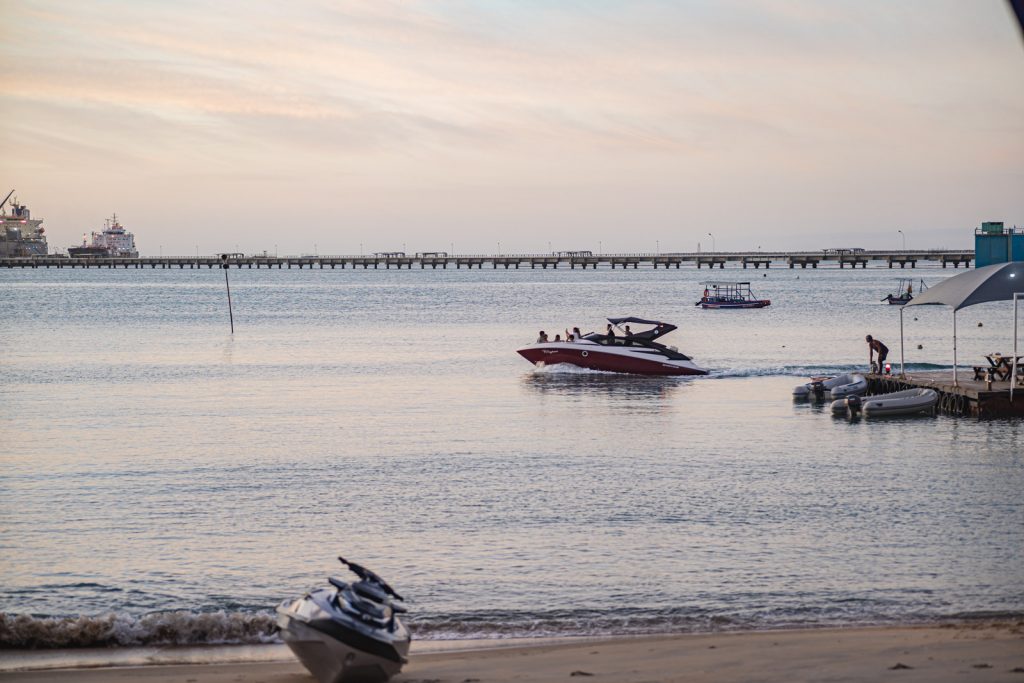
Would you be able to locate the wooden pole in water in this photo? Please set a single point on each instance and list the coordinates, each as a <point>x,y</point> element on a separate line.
<point>903,369</point>
<point>231,315</point>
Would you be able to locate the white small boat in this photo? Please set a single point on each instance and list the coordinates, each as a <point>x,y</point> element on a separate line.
<point>841,386</point>
<point>856,386</point>
<point>907,402</point>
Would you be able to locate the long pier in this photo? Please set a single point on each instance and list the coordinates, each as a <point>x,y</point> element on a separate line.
<point>434,260</point>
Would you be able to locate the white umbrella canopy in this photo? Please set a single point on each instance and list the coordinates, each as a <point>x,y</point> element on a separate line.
<point>999,282</point>
<point>991,283</point>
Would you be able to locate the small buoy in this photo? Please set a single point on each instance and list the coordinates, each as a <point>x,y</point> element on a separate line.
<point>920,346</point>
<point>980,325</point>
<point>915,318</point>
<point>766,275</point>
<point>783,346</point>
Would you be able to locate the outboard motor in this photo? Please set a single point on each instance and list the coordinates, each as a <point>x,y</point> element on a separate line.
<point>850,406</point>
<point>818,388</point>
<point>854,405</point>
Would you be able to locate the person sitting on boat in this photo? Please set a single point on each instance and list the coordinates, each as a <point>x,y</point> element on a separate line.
<point>628,332</point>
<point>558,337</point>
<point>542,337</point>
<point>611,331</point>
<point>875,345</point>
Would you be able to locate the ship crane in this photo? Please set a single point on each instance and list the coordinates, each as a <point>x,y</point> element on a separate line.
<point>4,202</point>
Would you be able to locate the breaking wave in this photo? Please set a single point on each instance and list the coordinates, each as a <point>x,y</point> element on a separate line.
<point>160,628</point>
<point>237,628</point>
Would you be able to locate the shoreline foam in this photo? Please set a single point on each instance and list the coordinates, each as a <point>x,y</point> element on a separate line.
<point>936,653</point>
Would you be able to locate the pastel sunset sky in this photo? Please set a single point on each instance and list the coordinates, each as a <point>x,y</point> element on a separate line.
<point>436,125</point>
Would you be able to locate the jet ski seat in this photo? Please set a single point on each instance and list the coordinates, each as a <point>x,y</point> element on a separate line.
<point>352,603</point>
<point>369,590</point>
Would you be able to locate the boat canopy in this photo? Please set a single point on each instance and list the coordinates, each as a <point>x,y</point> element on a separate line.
<point>660,329</point>
<point>638,321</point>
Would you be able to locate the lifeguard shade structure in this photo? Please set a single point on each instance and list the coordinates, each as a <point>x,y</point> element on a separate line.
<point>999,282</point>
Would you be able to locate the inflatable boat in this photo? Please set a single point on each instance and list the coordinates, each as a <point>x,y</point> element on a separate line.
<point>907,402</point>
<point>850,384</point>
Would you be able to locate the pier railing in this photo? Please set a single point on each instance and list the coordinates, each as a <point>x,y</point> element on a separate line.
<point>700,259</point>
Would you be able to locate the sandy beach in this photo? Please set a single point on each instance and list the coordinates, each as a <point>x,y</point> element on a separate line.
<point>936,654</point>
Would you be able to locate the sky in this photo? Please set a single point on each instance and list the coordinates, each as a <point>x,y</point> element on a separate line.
<point>316,126</point>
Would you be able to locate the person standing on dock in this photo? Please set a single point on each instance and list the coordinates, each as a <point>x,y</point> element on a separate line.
<point>875,345</point>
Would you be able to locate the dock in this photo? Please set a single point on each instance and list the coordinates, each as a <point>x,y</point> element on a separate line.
<point>842,258</point>
<point>969,397</point>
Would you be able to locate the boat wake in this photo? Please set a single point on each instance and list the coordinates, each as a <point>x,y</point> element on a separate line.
<point>813,370</point>
<point>803,370</point>
<point>568,369</point>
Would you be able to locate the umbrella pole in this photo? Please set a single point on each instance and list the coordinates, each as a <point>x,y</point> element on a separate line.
<point>1013,373</point>
<point>954,348</point>
<point>903,370</point>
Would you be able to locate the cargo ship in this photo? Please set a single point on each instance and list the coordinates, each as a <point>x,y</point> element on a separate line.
<point>21,234</point>
<point>114,241</point>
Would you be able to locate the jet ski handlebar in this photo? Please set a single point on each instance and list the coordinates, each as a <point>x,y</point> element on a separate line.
<point>367,575</point>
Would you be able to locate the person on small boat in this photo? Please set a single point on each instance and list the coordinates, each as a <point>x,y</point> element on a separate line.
<point>628,332</point>
<point>876,346</point>
<point>542,337</point>
<point>558,337</point>
<point>611,331</point>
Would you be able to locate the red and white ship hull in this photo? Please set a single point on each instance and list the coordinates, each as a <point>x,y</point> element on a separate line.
<point>585,354</point>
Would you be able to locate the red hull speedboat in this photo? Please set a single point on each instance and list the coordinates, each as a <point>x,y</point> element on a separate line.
<point>637,354</point>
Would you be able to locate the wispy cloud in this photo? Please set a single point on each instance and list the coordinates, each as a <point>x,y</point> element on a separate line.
<point>779,94</point>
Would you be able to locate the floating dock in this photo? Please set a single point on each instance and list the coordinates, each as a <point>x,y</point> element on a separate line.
<point>969,397</point>
<point>572,260</point>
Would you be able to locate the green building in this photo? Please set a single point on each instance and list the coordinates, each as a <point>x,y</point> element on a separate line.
<point>994,243</point>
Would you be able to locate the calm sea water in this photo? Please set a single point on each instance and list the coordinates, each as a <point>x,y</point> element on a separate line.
<point>163,481</point>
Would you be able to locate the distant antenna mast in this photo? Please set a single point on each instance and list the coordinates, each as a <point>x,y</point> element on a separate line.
<point>5,200</point>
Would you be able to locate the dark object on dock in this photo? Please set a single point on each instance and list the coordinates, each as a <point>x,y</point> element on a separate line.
<point>974,398</point>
